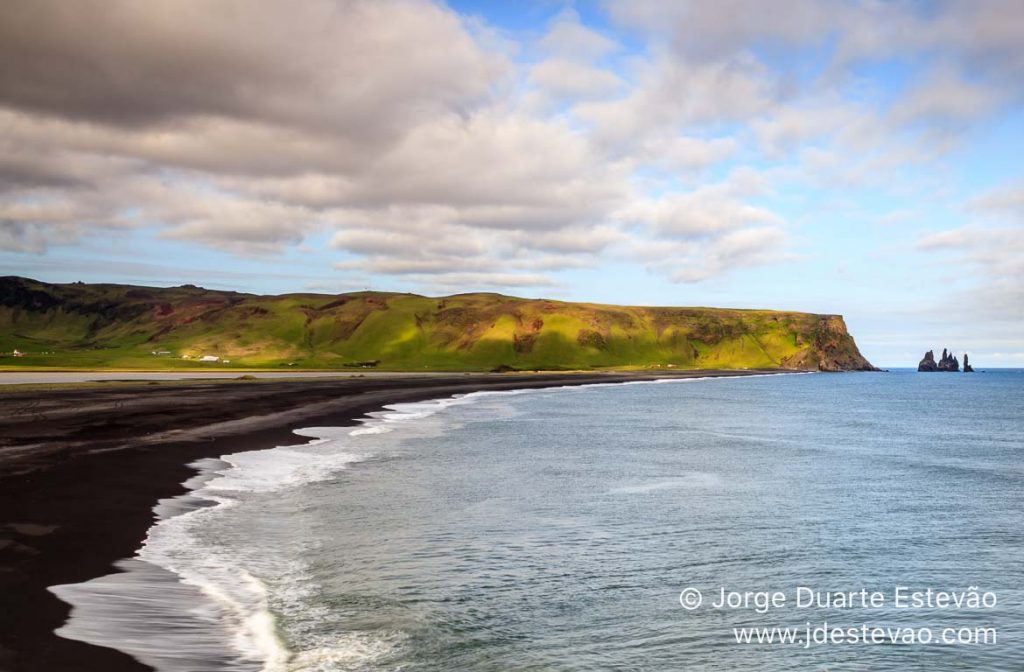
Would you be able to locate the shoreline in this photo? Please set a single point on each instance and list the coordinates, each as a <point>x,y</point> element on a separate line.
<point>81,470</point>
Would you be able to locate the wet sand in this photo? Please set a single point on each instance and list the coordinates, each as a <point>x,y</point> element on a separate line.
<point>81,469</point>
<point>11,377</point>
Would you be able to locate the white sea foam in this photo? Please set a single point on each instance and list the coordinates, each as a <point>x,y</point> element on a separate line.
<point>347,651</point>
<point>108,611</point>
<point>234,580</point>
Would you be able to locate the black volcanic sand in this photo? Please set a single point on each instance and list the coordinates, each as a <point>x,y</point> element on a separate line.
<point>82,467</point>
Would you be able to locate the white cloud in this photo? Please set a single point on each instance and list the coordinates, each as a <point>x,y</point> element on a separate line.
<point>706,211</point>
<point>671,95</point>
<point>986,36</point>
<point>412,139</point>
<point>1004,201</point>
<point>315,64</point>
<point>709,30</point>
<point>945,99</point>
<point>703,233</point>
<point>566,79</point>
<point>458,282</point>
<point>950,239</point>
<point>567,38</point>
<point>690,261</point>
<point>989,252</point>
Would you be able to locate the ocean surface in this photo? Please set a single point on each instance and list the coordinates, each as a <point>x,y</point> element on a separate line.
<point>557,529</point>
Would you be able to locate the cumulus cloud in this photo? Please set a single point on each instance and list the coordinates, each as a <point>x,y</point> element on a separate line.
<point>711,30</point>
<point>574,81</point>
<point>689,261</point>
<point>707,211</point>
<point>950,38</point>
<point>312,116</point>
<point>413,245</point>
<point>417,144</point>
<point>671,94</point>
<point>293,65</point>
<point>989,251</point>
<point>945,99</point>
<point>984,35</point>
<point>789,127</point>
<point>458,282</point>
<point>994,258</point>
<point>569,39</point>
<point>696,235</point>
<point>1004,201</point>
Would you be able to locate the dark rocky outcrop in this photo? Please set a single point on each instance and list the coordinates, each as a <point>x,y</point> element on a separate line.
<point>948,362</point>
<point>833,349</point>
<point>967,366</point>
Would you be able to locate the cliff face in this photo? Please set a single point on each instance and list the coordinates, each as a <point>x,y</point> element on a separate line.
<point>119,325</point>
<point>833,350</point>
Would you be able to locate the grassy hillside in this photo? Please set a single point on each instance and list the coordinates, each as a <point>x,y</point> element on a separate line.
<point>122,326</point>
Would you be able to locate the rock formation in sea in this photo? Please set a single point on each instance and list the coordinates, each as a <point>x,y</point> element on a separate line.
<point>967,366</point>
<point>928,363</point>
<point>948,362</point>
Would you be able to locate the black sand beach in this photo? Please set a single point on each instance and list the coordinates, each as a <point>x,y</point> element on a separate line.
<point>82,466</point>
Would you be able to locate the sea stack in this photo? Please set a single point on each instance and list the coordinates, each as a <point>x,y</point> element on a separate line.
<point>948,362</point>
<point>967,367</point>
<point>928,363</point>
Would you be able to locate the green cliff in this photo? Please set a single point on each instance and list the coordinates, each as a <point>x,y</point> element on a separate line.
<point>146,327</point>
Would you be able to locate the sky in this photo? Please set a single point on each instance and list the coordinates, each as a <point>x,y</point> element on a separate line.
<point>832,156</point>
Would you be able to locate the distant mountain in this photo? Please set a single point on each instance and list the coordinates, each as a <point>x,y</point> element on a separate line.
<point>100,325</point>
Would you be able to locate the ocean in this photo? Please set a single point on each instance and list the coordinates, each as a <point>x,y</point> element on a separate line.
<point>870,521</point>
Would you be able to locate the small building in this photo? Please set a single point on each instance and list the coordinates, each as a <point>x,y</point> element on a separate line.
<point>18,353</point>
<point>209,358</point>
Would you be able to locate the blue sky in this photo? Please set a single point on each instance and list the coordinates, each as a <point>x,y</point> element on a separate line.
<point>844,157</point>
